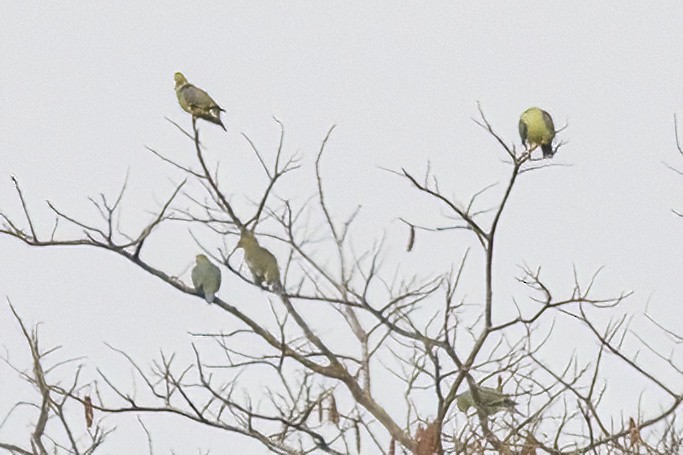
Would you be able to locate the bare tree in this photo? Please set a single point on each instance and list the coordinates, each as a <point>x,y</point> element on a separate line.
<point>52,431</point>
<point>419,330</point>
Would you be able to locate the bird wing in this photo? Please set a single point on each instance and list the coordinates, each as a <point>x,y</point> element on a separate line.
<point>495,398</point>
<point>196,97</point>
<point>272,267</point>
<point>270,257</point>
<point>196,277</point>
<point>215,278</point>
<point>548,120</point>
<point>522,130</point>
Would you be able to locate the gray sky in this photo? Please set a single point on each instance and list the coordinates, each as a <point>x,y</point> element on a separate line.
<point>86,85</point>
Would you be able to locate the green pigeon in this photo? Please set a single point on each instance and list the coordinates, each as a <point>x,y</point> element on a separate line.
<point>261,262</point>
<point>536,127</point>
<point>492,401</point>
<point>206,278</point>
<point>197,102</point>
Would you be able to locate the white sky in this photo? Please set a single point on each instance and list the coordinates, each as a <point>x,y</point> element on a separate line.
<point>86,85</point>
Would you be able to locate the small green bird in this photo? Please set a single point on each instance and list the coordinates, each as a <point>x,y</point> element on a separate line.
<point>536,127</point>
<point>261,262</point>
<point>197,102</point>
<point>492,401</point>
<point>206,278</point>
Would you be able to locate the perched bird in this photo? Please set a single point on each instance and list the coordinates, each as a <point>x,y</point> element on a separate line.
<point>261,262</point>
<point>491,401</point>
<point>197,102</point>
<point>206,278</point>
<point>536,127</point>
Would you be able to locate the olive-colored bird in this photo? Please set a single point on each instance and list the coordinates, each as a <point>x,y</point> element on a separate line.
<point>206,278</point>
<point>536,127</point>
<point>261,262</point>
<point>197,102</point>
<point>491,401</point>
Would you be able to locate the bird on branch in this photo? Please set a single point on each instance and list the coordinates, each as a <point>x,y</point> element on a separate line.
<point>206,278</point>
<point>490,402</point>
<point>261,262</point>
<point>197,102</point>
<point>537,129</point>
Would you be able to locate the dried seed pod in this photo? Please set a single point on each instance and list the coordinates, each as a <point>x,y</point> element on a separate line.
<point>411,238</point>
<point>634,432</point>
<point>333,413</point>
<point>427,439</point>
<point>89,412</point>
<point>530,445</point>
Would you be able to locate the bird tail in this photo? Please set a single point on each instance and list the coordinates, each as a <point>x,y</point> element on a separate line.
<point>209,296</point>
<point>214,116</point>
<point>516,411</point>
<point>548,151</point>
<point>511,405</point>
<point>508,403</point>
<point>217,121</point>
<point>277,287</point>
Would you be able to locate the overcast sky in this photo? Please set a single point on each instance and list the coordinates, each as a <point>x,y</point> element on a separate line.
<point>86,85</point>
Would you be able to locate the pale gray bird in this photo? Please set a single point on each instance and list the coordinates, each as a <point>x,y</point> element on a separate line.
<point>206,278</point>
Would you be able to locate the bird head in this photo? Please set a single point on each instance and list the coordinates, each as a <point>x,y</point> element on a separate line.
<point>247,240</point>
<point>179,79</point>
<point>200,258</point>
<point>464,401</point>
